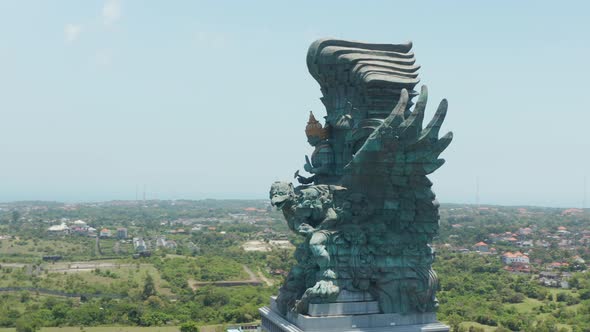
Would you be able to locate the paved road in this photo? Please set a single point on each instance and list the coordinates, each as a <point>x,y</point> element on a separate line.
<point>72,266</point>
<point>13,264</point>
<point>82,266</point>
<point>250,273</point>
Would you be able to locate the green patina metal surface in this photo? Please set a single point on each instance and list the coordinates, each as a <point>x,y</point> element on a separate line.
<point>367,212</point>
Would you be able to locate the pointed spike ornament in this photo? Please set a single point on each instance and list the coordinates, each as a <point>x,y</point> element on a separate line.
<point>397,114</point>
<point>432,129</point>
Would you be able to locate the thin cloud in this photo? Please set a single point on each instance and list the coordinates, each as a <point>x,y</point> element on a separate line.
<point>111,12</point>
<point>211,39</point>
<point>72,32</point>
<point>103,58</point>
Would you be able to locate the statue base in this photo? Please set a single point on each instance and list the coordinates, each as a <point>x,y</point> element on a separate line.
<point>332,320</point>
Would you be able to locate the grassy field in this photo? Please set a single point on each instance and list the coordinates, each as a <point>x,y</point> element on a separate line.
<point>119,276</point>
<point>62,276</point>
<point>555,291</point>
<point>208,328</point>
<point>213,328</point>
<point>39,247</point>
<point>526,306</point>
<point>104,329</point>
<point>134,272</point>
<point>486,328</point>
<point>70,247</point>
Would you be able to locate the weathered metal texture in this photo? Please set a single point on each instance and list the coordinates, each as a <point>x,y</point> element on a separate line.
<point>367,212</point>
<point>366,76</point>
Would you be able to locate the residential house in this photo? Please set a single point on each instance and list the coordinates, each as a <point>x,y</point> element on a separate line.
<point>91,231</point>
<point>105,232</point>
<point>578,259</point>
<point>525,244</point>
<point>481,247</point>
<point>518,268</point>
<point>168,244</point>
<point>61,229</point>
<point>554,279</point>
<point>139,244</point>
<point>80,223</point>
<point>557,265</point>
<point>511,240</point>
<point>572,212</point>
<point>524,233</point>
<point>517,257</point>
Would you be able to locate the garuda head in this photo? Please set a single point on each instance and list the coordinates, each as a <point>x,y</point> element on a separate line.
<point>281,193</point>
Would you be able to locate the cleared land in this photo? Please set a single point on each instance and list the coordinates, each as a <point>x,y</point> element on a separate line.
<point>263,246</point>
<point>253,281</point>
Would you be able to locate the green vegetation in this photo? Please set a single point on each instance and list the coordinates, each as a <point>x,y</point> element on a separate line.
<point>103,329</point>
<point>169,290</point>
<point>96,282</point>
<point>476,292</point>
<point>178,271</point>
<point>207,305</point>
<point>189,327</point>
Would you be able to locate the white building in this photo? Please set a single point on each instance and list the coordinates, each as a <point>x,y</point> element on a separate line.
<point>91,231</point>
<point>161,242</point>
<point>59,229</point>
<point>80,223</point>
<point>139,244</point>
<point>516,257</point>
<point>168,244</point>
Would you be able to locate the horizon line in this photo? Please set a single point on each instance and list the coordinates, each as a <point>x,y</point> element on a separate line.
<point>264,199</point>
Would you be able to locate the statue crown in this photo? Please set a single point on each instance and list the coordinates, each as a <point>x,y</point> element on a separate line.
<point>314,128</point>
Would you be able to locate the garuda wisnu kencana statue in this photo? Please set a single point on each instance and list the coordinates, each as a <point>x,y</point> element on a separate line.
<point>366,213</point>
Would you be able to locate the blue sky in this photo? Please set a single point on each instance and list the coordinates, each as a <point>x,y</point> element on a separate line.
<point>196,99</point>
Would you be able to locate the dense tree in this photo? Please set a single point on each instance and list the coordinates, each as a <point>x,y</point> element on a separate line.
<point>149,287</point>
<point>15,217</point>
<point>26,325</point>
<point>189,327</point>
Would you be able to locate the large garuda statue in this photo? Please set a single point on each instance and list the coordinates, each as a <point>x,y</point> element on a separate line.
<point>366,213</point>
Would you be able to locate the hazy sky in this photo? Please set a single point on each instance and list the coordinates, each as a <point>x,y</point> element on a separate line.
<point>196,99</point>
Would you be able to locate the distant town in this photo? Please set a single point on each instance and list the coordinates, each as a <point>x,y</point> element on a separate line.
<point>108,253</point>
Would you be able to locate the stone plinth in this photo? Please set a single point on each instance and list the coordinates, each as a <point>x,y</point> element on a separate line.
<point>347,303</point>
<point>344,308</point>
<point>359,321</point>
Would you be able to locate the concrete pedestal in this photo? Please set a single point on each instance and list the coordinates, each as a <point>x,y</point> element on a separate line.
<point>357,321</point>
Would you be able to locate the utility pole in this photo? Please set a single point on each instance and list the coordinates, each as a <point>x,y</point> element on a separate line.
<point>585,193</point>
<point>477,191</point>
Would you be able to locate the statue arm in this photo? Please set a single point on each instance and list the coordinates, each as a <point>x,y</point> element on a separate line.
<point>304,229</point>
<point>303,179</point>
<point>322,169</point>
<point>299,225</point>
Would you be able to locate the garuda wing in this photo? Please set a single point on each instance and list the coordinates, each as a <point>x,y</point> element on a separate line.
<point>399,152</point>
